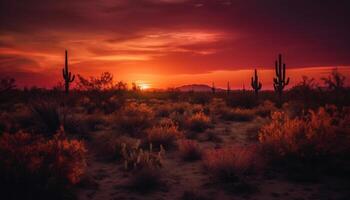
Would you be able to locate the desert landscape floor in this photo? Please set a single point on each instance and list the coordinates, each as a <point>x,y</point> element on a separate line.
<point>181,177</point>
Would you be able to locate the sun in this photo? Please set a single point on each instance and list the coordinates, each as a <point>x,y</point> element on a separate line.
<point>144,86</point>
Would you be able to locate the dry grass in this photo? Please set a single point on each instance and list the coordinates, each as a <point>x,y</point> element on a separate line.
<point>166,134</point>
<point>190,150</point>
<point>198,122</point>
<point>231,164</point>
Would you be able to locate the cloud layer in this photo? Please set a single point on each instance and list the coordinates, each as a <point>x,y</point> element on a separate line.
<point>170,37</point>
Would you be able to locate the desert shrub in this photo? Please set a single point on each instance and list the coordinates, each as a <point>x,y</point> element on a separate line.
<point>163,110</point>
<point>134,118</point>
<point>265,109</point>
<point>197,108</point>
<point>217,106</point>
<point>33,167</point>
<point>181,107</point>
<point>110,146</point>
<point>238,114</point>
<point>136,158</point>
<point>319,133</point>
<point>4,122</point>
<point>48,114</point>
<point>200,98</point>
<point>74,124</point>
<point>145,165</point>
<point>165,133</point>
<point>231,164</point>
<point>21,119</point>
<point>179,119</point>
<point>198,122</point>
<point>213,136</point>
<point>189,150</point>
<point>243,100</point>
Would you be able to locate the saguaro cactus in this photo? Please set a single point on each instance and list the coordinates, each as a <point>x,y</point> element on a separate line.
<point>256,85</point>
<point>228,87</point>
<point>67,76</point>
<point>280,81</point>
<point>213,88</point>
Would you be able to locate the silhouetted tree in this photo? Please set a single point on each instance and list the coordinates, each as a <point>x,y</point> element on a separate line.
<point>7,84</point>
<point>335,81</point>
<point>103,82</point>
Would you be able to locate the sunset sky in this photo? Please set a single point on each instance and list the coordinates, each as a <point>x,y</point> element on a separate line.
<point>168,43</point>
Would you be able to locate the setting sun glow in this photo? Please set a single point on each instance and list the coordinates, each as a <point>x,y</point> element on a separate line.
<point>144,86</point>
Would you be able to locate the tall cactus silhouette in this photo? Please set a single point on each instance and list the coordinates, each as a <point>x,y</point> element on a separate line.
<point>67,76</point>
<point>228,87</point>
<point>280,81</point>
<point>213,88</point>
<point>256,85</point>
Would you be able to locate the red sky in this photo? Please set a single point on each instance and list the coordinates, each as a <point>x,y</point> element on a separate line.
<point>167,43</point>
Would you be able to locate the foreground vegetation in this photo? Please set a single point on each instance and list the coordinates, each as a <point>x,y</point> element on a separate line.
<point>49,140</point>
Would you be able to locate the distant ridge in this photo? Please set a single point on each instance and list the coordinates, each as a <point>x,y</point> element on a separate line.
<point>197,88</point>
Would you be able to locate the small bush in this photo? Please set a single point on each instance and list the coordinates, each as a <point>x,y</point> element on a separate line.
<point>198,122</point>
<point>109,146</point>
<point>33,167</point>
<point>231,164</point>
<point>137,159</point>
<point>265,109</point>
<point>166,134</point>
<point>145,166</point>
<point>48,114</point>
<point>189,150</point>
<point>134,118</point>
